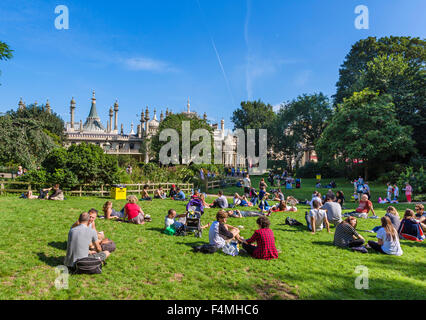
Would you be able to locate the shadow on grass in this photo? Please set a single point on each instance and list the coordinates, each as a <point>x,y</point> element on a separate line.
<point>51,261</point>
<point>62,245</point>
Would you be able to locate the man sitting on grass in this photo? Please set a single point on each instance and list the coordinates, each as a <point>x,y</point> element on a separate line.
<point>316,218</point>
<point>79,240</point>
<point>180,195</point>
<point>333,209</point>
<point>56,195</point>
<point>220,202</point>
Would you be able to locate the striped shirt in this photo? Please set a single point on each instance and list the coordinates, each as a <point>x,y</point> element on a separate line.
<point>344,235</point>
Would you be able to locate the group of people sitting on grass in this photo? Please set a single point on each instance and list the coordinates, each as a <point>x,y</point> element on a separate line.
<point>57,194</point>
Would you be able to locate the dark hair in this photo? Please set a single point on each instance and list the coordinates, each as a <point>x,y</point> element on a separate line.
<point>220,192</point>
<point>145,186</point>
<point>170,211</point>
<point>330,197</point>
<point>222,214</point>
<point>83,217</point>
<point>263,222</point>
<point>316,204</point>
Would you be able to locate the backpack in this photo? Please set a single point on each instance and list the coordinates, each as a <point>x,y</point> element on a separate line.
<point>206,248</point>
<point>109,246</point>
<point>88,265</point>
<point>292,222</point>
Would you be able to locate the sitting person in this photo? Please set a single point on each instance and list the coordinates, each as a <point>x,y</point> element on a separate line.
<point>279,196</point>
<point>145,195</point>
<point>245,202</point>
<point>79,240</point>
<point>196,194</point>
<point>110,213</point>
<point>316,196</point>
<point>180,195</point>
<point>264,237</point>
<point>56,195</point>
<point>203,200</point>
<point>410,228</point>
<point>220,202</point>
<point>159,193</point>
<point>340,198</point>
<point>254,196</point>
<point>421,215</point>
<point>133,212</point>
<point>170,220</point>
<point>333,209</point>
<point>236,199</point>
<point>172,192</point>
<point>316,218</point>
<point>364,207</point>
<point>346,235</point>
<point>393,215</point>
<point>388,240</point>
<point>221,233</point>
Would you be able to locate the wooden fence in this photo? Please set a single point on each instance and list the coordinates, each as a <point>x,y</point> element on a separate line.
<point>220,183</point>
<point>86,189</point>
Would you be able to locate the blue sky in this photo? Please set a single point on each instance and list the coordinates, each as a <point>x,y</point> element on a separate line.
<point>158,53</point>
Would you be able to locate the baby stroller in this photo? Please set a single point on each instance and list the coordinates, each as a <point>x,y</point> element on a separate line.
<point>194,211</point>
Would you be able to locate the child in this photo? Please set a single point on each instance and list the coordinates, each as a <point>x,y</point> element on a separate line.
<point>170,220</point>
<point>389,191</point>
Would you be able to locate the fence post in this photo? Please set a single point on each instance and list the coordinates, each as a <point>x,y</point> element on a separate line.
<point>102,190</point>
<point>2,188</point>
<point>81,191</point>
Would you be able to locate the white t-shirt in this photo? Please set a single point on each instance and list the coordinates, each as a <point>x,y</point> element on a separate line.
<point>246,182</point>
<point>319,215</point>
<point>168,222</point>
<point>389,246</point>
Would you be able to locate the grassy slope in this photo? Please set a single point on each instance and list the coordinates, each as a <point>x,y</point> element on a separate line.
<point>151,265</point>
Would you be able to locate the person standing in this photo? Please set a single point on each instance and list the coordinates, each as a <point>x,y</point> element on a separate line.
<point>395,192</point>
<point>247,185</point>
<point>408,191</point>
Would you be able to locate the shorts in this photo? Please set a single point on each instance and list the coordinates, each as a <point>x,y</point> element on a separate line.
<point>98,255</point>
<point>119,214</point>
<point>139,219</point>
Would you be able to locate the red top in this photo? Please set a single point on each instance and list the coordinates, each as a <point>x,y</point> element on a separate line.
<point>265,244</point>
<point>364,206</point>
<point>132,210</point>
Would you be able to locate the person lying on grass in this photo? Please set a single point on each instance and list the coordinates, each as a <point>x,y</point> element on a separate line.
<point>79,240</point>
<point>364,207</point>
<point>133,212</point>
<point>29,195</point>
<point>284,205</point>
<point>264,238</point>
<point>316,218</point>
<point>388,240</point>
<point>110,213</point>
<point>221,233</point>
<point>346,235</point>
<point>243,214</point>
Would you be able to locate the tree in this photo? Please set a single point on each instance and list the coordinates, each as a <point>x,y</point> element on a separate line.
<point>392,65</point>
<point>365,128</point>
<point>174,121</point>
<point>299,124</point>
<point>253,115</point>
<point>5,52</point>
<point>24,142</point>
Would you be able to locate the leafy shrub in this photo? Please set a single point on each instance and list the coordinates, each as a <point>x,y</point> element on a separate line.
<point>327,170</point>
<point>417,179</point>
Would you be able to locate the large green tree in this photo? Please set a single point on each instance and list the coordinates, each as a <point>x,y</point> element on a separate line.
<point>391,65</point>
<point>253,115</point>
<point>299,123</point>
<point>365,128</point>
<point>24,142</point>
<point>174,121</point>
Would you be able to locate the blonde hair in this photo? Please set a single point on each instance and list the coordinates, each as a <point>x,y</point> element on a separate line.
<point>392,210</point>
<point>132,199</point>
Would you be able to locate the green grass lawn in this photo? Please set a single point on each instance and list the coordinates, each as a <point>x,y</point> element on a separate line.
<point>151,265</point>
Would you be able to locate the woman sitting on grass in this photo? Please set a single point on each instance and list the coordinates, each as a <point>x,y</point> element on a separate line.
<point>159,193</point>
<point>203,200</point>
<point>133,212</point>
<point>340,198</point>
<point>393,215</point>
<point>388,240</point>
<point>145,195</point>
<point>221,233</point>
<point>236,199</point>
<point>410,228</point>
<point>264,237</point>
<point>110,213</point>
<point>346,235</point>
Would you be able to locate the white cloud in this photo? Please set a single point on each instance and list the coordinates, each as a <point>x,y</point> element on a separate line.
<point>148,64</point>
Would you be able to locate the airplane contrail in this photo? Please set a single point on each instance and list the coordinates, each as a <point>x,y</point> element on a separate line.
<point>217,54</point>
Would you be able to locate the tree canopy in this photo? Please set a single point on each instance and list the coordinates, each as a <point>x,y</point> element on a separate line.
<point>5,52</point>
<point>253,115</point>
<point>365,128</point>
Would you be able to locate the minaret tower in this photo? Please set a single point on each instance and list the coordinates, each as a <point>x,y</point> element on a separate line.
<point>72,110</point>
<point>161,116</point>
<point>21,105</point>
<point>147,121</point>
<point>111,113</point>
<point>187,107</point>
<point>142,124</point>
<point>116,116</point>
<point>48,110</point>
